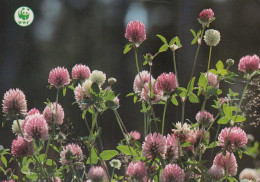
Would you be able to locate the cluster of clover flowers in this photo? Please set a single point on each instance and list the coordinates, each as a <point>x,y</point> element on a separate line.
<point>176,157</point>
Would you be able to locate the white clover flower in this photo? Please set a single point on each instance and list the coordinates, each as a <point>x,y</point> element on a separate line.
<point>86,87</point>
<point>98,76</point>
<point>185,127</point>
<point>115,163</point>
<point>15,127</point>
<point>212,37</point>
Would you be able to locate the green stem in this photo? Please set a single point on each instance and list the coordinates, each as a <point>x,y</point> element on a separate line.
<point>175,67</point>
<point>145,129</point>
<point>182,111</point>
<point>204,102</point>
<point>215,139</point>
<point>113,170</point>
<point>164,111</point>
<point>99,138</point>
<point>226,171</point>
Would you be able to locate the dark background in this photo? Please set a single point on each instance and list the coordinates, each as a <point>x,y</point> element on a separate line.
<point>67,32</point>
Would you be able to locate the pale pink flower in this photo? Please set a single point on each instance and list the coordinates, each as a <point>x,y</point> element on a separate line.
<point>14,101</point>
<point>19,147</point>
<point>10,180</point>
<point>145,75</point>
<point>116,101</point>
<point>206,15</point>
<point>249,174</point>
<point>172,173</point>
<point>216,172</point>
<point>71,150</point>
<point>59,77</point>
<point>151,94</point>
<point>80,96</point>
<point>80,72</point>
<point>212,80</point>
<point>204,118</point>
<point>49,113</point>
<point>97,174</point>
<point>167,82</point>
<point>237,138</point>
<point>57,179</point>
<point>223,100</point>
<point>135,32</point>
<point>248,64</point>
<point>222,161</point>
<point>135,135</point>
<point>137,170</point>
<point>171,147</point>
<point>182,131</point>
<point>35,127</point>
<point>154,145</point>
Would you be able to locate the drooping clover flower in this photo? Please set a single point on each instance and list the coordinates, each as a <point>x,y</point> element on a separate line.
<point>135,135</point>
<point>154,145</point>
<point>171,148</point>
<point>172,173</point>
<point>19,147</point>
<point>167,82</point>
<point>212,37</point>
<point>86,86</point>
<point>98,76</point>
<point>145,75</point>
<point>14,101</point>
<point>248,174</point>
<point>116,101</point>
<point>182,131</point>
<point>216,172</point>
<point>206,15</point>
<point>222,161</point>
<point>237,138</point>
<point>111,80</point>
<point>80,95</point>
<point>15,126</point>
<point>152,94</point>
<point>248,64</point>
<point>35,127</point>
<point>96,174</point>
<point>204,118</point>
<point>135,32</point>
<point>212,79</point>
<point>59,77</point>
<point>115,163</point>
<point>137,170</point>
<point>80,72</point>
<point>50,112</point>
<point>71,153</point>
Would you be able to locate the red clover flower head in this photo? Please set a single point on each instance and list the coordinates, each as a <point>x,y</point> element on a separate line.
<point>97,174</point>
<point>248,64</point>
<point>80,72</point>
<point>172,173</point>
<point>137,170</point>
<point>49,113</point>
<point>206,15</point>
<point>74,151</point>
<point>59,77</point>
<point>216,172</point>
<point>135,32</point>
<point>204,118</point>
<point>19,147</point>
<point>145,75</point>
<point>167,82</point>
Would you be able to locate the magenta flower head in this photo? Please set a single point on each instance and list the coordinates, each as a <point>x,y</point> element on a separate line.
<point>10,180</point>
<point>204,118</point>
<point>222,161</point>
<point>97,174</point>
<point>172,173</point>
<point>19,147</point>
<point>71,153</point>
<point>206,15</point>
<point>35,127</point>
<point>59,77</point>
<point>216,172</point>
<point>14,101</point>
<point>80,72</point>
<point>135,135</point>
<point>154,96</point>
<point>145,75</point>
<point>49,113</point>
<point>154,145</point>
<point>237,138</point>
<point>167,82</point>
<point>137,170</point>
<point>171,147</point>
<point>248,64</point>
<point>135,32</point>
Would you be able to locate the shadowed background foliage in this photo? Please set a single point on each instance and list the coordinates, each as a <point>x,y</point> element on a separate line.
<point>67,32</point>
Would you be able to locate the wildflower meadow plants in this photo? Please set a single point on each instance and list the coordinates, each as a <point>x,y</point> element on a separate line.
<point>167,157</point>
